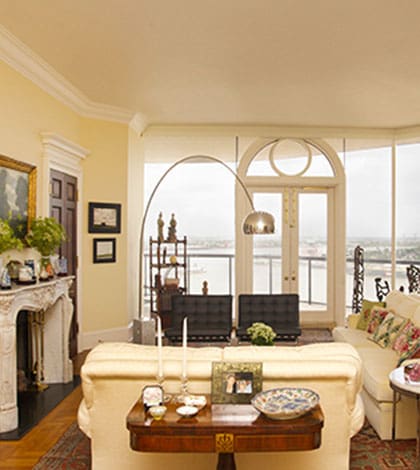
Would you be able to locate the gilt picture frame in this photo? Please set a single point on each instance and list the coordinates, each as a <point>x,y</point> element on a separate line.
<point>235,382</point>
<point>104,217</point>
<point>17,194</point>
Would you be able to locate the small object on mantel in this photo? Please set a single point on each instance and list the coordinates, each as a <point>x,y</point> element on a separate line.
<point>5,281</point>
<point>62,266</point>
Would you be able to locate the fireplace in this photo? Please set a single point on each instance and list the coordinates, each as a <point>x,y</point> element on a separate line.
<point>50,302</point>
<point>24,351</point>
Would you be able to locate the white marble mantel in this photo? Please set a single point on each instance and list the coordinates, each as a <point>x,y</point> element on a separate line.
<point>53,298</point>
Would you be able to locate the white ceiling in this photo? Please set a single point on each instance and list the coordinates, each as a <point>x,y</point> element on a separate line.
<point>256,62</point>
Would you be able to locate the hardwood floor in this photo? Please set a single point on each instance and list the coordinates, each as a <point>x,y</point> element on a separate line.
<point>26,452</point>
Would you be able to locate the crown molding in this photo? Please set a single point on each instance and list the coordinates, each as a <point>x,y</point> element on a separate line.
<point>267,131</point>
<point>25,61</point>
<point>139,123</point>
<point>58,143</point>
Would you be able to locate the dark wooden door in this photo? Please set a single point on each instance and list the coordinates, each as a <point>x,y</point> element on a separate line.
<point>63,207</point>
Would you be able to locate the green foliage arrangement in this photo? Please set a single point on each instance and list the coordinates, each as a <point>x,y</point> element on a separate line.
<point>45,235</point>
<point>8,240</point>
<point>261,334</point>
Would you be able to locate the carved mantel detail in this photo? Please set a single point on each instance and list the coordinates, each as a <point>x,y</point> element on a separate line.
<point>52,298</point>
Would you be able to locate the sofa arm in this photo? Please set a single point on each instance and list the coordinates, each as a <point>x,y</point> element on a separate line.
<point>357,416</point>
<point>83,419</point>
<point>352,320</point>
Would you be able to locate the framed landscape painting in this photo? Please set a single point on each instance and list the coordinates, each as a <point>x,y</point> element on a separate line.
<point>17,193</point>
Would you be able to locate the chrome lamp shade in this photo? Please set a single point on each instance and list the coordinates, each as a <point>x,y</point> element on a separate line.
<point>258,223</point>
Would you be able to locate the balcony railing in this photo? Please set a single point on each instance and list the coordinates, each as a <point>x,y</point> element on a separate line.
<point>218,270</point>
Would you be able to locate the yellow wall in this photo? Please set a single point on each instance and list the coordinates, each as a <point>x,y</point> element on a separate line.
<point>26,111</point>
<point>105,180</point>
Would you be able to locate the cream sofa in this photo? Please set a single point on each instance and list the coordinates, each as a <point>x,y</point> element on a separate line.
<point>377,364</point>
<point>115,373</point>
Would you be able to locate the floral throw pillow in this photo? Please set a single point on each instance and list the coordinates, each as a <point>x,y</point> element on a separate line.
<point>365,313</point>
<point>386,331</point>
<point>407,341</point>
<point>377,315</point>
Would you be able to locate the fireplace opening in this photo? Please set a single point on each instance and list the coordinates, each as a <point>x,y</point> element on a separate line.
<point>24,359</point>
<point>33,403</point>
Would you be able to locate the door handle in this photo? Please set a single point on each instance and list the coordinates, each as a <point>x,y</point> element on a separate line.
<point>286,278</point>
<point>293,277</point>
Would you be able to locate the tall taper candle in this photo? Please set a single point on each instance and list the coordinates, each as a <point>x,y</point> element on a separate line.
<point>184,348</point>
<point>159,342</point>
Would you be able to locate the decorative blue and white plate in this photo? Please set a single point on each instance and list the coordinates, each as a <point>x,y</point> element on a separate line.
<point>285,403</point>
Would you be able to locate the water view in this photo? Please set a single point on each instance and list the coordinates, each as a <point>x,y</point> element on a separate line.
<point>213,261</point>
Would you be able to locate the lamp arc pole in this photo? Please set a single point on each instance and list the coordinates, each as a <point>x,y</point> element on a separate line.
<point>269,220</point>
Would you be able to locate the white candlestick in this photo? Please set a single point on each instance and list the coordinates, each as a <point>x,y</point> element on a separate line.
<point>159,341</point>
<point>184,348</point>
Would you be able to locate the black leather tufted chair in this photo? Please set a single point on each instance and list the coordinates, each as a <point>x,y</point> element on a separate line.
<point>209,317</point>
<point>280,311</point>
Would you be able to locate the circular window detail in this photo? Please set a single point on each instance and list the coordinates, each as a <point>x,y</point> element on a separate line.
<point>295,163</point>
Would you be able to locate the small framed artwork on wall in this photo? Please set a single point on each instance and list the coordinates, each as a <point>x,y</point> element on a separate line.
<point>104,217</point>
<point>104,250</point>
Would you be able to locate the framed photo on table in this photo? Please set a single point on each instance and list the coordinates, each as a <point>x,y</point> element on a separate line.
<point>104,250</point>
<point>17,194</point>
<point>235,382</point>
<point>104,217</point>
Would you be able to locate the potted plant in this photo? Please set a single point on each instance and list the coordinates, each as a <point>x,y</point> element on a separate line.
<point>261,334</point>
<point>8,240</point>
<point>46,236</point>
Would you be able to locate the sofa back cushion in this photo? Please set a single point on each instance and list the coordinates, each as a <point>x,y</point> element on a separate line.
<point>402,304</point>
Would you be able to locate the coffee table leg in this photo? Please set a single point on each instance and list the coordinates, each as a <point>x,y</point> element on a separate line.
<point>394,404</point>
<point>226,461</point>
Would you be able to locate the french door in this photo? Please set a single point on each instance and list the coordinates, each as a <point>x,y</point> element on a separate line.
<point>297,259</point>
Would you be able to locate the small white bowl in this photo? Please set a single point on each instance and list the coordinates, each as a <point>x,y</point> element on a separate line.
<point>187,411</point>
<point>198,401</point>
<point>157,412</point>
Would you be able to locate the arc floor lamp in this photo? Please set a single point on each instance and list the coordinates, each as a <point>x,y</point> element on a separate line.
<point>255,223</point>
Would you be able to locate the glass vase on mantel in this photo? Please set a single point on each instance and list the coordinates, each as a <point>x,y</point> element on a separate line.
<point>45,270</point>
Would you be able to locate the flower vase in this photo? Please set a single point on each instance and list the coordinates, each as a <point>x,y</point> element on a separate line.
<point>46,270</point>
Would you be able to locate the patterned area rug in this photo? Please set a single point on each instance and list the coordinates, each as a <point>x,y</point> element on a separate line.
<point>368,452</point>
<point>72,451</point>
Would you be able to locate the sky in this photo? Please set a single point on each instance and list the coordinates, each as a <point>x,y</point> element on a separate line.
<point>202,197</point>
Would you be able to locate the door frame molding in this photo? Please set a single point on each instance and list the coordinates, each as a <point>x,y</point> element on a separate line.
<point>65,156</point>
<point>335,187</point>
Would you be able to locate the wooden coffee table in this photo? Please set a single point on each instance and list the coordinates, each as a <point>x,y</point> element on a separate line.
<point>234,428</point>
